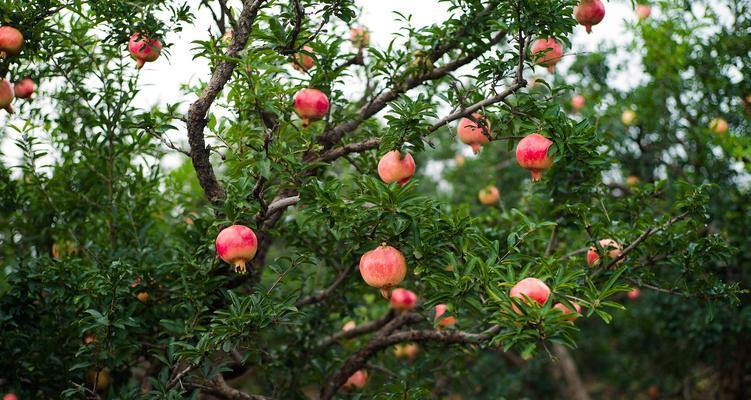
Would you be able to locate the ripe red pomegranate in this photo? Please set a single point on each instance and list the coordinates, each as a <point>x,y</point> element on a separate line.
<point>10,396</point>
<point>566,310</point>
<point>612,249</point>
<point>11,41</point>
<point>589,12</point>
<point>472,134</point>
<point>24,89</point>
<point>643,11</point>
<point>440,309</point>
<point>143,48</point>
<point>553,52</point>
<point>634,294</point>
<point>403,300</point>
<point>577,102</point>
<point>360,37</point>
<point>719,126</point>
<point>532,154</point>
<point>302,61</point>
<point>393,168</point>
<point>383,267</point>
<point>408,351</point>
<point>6,96</point>
<point>489,195</point>
<point>236,245</point>
<point>356,381</point>
<point>311,105</point>
<point>532,288</point>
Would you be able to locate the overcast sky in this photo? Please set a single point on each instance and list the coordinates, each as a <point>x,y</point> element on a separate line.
<point>160,81</point>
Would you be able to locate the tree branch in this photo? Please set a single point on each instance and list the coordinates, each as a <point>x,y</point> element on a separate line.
<point>219,388</point>
<point>197,121</point>
<point>359,330</point>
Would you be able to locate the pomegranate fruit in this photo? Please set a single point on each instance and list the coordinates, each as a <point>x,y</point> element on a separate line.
<point>459,160</point>
<point>440,309</point>
<point>393,168</point>
<point>489,195</point>
<point>89,338</point>
<point>24,89</point>
<point>236,245</point>
<point>612,249</point>
<point>383,267</point>
<point>643,11</point>
<point>311,105</point>
<point>470,133</point>
<point>99,380</point>
<point>10,396</point>
<point>143,48</point>
<point>356,380</point>
<point>633,294</point>
<point>628,117</point>
<point>408,351</point>
<point>143,297</point>
<point>403,299</point>
<point>360,37</point>
<point>577,102</point>
<point>632,180</point>
<point>11,41</point>
<point>532,154</point>
<point>302,61</point>
<point>6,96</point>
<point>719,126</point>
<point>566,310</point>
<point>531,288</point>
<point>589,12</point>
<point>552,53</point>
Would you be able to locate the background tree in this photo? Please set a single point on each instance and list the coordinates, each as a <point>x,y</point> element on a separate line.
<point>112,286</point>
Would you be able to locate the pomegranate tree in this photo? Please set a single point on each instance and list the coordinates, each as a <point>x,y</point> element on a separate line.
<point>403,299</point>
<point>532,154</point>
<point>24,88</point>
<point>489,195</point>
<point>11,41</point>
<point>589,12</point>
<point>446,322</point>
<point>144,48</point>
<point>311,105</point>
<point>6,96</point>
<point>548,53</point>
<point>394,168</point>
<point>470,133</point>
<point>237,245</point>
<point>383,267</point>
<point>612,249</point>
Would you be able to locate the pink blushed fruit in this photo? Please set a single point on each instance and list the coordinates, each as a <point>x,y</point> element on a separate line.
<point>552,53</point>
<point>632,180</point>
<point>589,12</point>
<point>532,154</point>
<point>394,168</point>
<point>302,61</point>
<point>719,126</point>
<point>634,294</point>
<point>360,37</point>
<point>143,48</point>
<point>612,249</point>
<point>408,351</point>
<point>6,96</point>
<point>531,288</point>
<point>10,396</point>
<point>383,267</point>
<point>449,321</point>
<point>356,380</point>
<point>403,300</point>
<point>11,41</point>
<point>628,117</point>
<point>237,245</point>
<point>566,310</point>
<point>311,105</point>
<point>349,325</point>
<point>24,89</point>
<point>643,11</point>
<point>473,134</point>
<point>489,195</point>
<point>577,102</point>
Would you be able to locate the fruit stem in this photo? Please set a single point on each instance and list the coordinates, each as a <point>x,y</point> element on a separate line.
<point>386,293</point>
<point>9,109</point>
<point>536,175</point>
<point>140,63</point>
<point>240,267</point>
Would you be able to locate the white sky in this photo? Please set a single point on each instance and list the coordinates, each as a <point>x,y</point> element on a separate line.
<point>160,81</point>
